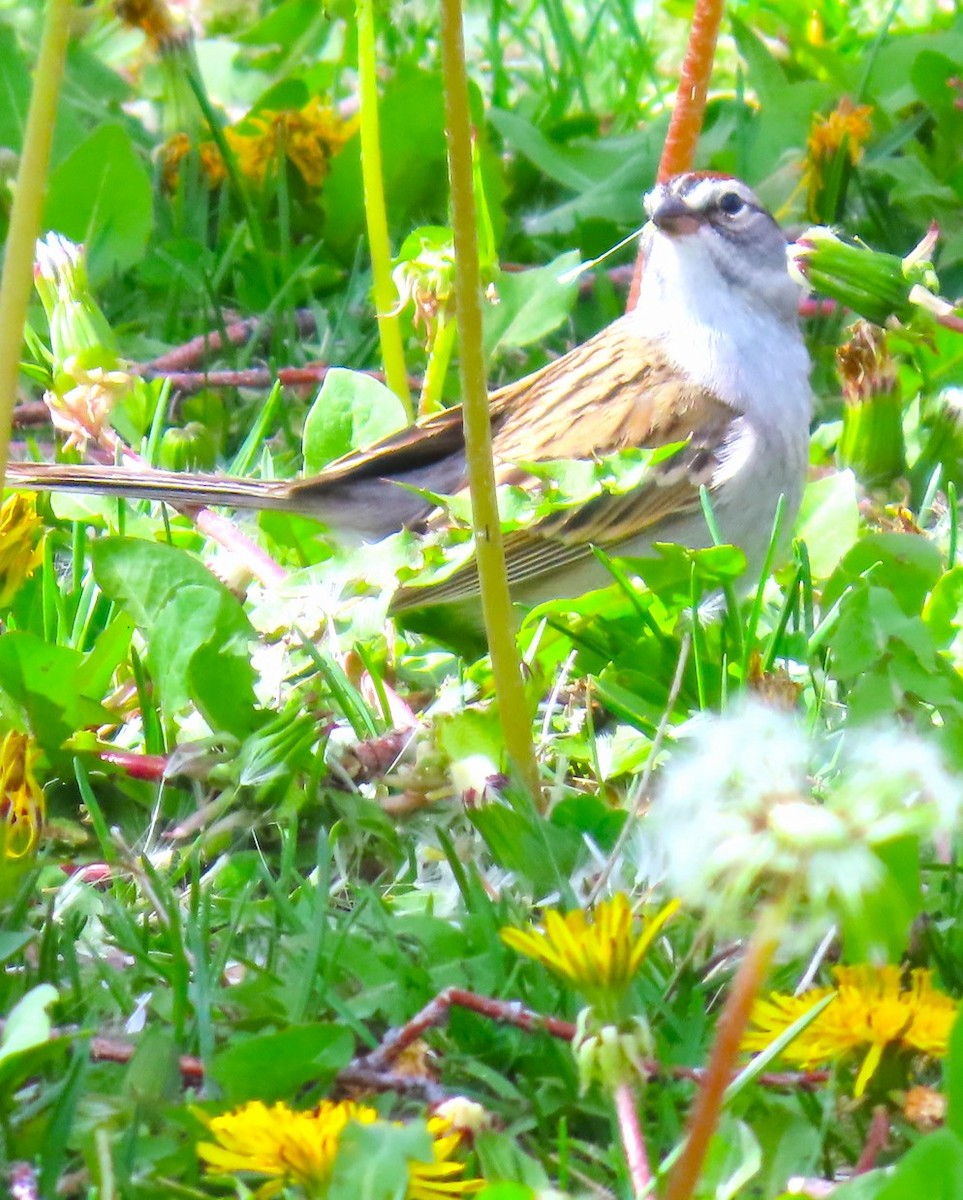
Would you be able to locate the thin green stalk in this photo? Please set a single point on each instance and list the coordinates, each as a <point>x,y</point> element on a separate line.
<point>496,603</point>
<point>251,219</point>
<point>436,370</point>
<point>26,212</point>
<point>385,293</point>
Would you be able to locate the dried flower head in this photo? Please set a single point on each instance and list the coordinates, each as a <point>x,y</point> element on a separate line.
<point>924,1107</point>
<point>20,552</point>
<point>22,808</point>
<point>155,20</point>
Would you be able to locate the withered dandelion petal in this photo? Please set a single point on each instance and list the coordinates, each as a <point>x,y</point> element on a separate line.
<point>22,806</point>
<point>20,553</point>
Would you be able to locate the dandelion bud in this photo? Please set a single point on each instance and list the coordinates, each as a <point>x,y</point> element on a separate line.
<point>78,328</point>
<point>877,286</point>
<point>944,446</point>
<point>872,438</point>
<point>424,275</point>
<point>610,1054</point>
<point>189,448</point>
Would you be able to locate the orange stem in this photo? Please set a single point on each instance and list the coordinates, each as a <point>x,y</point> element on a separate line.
<point>678,153</point>
<point>725,1051</point>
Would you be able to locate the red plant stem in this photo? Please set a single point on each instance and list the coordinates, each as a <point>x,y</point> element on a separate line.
<point>251,377</point>
<point>184,357</point>
<point>633,1140</point>
<point>725,1051</point>
<point>678,153</point>
<point>876,1139</point>
<point>373,1068</point>
<point>436,1012</point>
<point>223,531</point>
<point>149,767</point>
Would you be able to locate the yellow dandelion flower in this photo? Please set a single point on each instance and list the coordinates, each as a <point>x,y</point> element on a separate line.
<point>20,552</point>
<point>874,1007</point>
<point>253,152</point>
<point>288,1146</point>
<point>300,1148</point>
<point>310,137</point>
<point>170,156</point>
<point>22,806</point>
<point>440,1179</point>
<point>597,953</point>
<point>848,125</point>
<point>212,164</point>
<point>307,137</point>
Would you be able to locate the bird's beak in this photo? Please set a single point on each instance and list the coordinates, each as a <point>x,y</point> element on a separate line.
<point>673,216</point>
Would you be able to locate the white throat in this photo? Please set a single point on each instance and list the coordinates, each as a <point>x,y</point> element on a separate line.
<point>747,350</point>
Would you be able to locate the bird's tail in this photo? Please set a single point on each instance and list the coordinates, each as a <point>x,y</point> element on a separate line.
<point>144,483</point>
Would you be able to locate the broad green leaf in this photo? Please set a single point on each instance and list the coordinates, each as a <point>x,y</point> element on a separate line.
<point>932,1168</point>
<point>887,910</point>
<point>372,1161</point>
<point>828,520</point>
<point>953,1080</point>
<point>521,840</point>
<point>28,1023</point>
<point>12,941</point>
<point>903,563</point>
<point>46,687</point>
<point>351,411</point>
<point>943,612</point>
<point>198,635</point>
<point>273,1066</point>
<point>531,304</point>
<point>411,112</point>
<point>101,195</point>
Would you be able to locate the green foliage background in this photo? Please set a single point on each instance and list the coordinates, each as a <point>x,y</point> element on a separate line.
<point>276,899</point>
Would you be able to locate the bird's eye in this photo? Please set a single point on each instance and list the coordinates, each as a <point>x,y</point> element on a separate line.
<point>731,203</point>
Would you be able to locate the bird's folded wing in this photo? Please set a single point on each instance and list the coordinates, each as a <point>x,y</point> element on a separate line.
<point>615,392</point>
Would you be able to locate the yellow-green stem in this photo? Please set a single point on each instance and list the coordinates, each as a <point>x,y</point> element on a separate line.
<point>437,368</point>
<point>25,215</point>
<point>385,293</point>
<point>496,604</point>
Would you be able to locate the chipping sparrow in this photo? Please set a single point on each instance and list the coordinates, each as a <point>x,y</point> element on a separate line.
<point>711,356</point>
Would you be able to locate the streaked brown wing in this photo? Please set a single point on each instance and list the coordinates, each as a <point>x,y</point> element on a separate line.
<point>614,392</point>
